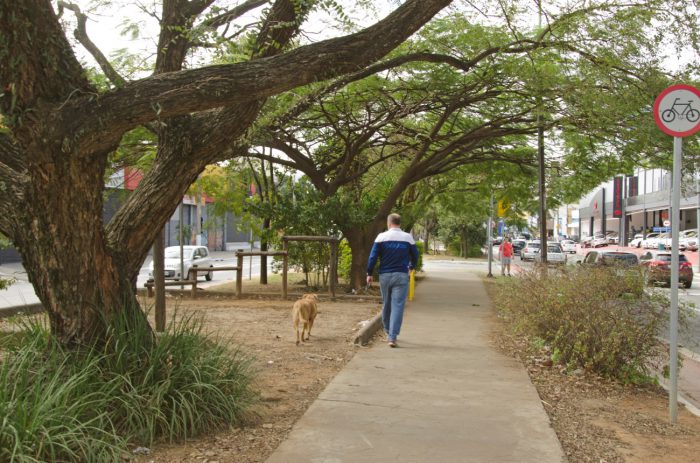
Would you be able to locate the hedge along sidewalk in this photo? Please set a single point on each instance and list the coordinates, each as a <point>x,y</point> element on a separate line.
<point>444,395</point>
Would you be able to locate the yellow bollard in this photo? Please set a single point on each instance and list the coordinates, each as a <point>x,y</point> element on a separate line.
<point>411,284</point>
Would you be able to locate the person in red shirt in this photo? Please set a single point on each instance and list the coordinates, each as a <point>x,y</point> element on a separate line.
<point>505,250</point>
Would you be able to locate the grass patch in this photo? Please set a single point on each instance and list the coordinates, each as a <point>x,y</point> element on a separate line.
<point>90,404</point>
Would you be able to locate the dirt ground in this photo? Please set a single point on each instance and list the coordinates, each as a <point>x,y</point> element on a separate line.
<point>599,421</point>
<point>290,377</point>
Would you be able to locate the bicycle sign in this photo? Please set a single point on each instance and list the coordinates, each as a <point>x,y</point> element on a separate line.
<point>677,110</point>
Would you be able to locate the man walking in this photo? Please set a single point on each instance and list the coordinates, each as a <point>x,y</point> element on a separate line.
<point>397,254</point>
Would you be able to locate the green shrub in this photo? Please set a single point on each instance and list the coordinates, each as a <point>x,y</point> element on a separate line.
<point>421,249</point>
<point>88,405</point>
<point>598,319</point>
<point>344,260</point>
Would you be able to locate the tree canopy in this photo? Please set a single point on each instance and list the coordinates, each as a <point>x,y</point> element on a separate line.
<point>62,130</point>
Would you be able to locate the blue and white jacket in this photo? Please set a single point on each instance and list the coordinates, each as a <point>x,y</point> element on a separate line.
<point>396,250</point>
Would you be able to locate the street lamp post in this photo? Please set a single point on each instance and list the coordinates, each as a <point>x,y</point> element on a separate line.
<point>540,155</point>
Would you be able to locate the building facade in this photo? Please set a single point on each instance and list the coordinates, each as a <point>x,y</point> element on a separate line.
<point>637,204</point>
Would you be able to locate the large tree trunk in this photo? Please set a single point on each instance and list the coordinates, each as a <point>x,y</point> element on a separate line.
<point>75,275</point>
<point>360,240</point>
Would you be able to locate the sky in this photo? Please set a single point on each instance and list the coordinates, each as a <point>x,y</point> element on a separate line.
<point>109,19</point>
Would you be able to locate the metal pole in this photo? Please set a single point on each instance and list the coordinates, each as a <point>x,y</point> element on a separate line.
<point>540,155</point>
<point>675,225</point>
<point>159,280</point>
<point>543,199</point>
<point>250,262</point>
<point>697,220</point>
<point>490,238</point>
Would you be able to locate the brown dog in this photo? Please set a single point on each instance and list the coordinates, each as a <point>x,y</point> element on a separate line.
<point>304,311</point>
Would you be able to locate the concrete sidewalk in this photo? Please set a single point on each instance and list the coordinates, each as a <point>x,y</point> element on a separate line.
<point>445,395</point>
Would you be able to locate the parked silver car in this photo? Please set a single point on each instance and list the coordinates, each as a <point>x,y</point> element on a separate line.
<point>193,255</point>
<point>555,254</point>
<point>530,250</point>
<point>568,246</point>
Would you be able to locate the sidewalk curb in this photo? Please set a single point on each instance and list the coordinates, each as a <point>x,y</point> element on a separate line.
<point>369,330</point>
<point>687,403</point>
<point>6,312</point>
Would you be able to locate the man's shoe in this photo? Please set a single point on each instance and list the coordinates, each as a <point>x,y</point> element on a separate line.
<point>392,344</point>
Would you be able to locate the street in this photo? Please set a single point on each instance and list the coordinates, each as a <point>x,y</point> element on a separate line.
<point>22,292</point>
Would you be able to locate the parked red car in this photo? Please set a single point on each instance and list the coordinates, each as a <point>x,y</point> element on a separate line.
<point>658,265</point>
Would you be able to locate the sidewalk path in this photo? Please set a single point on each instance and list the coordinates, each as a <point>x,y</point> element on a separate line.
<point>445,395</point>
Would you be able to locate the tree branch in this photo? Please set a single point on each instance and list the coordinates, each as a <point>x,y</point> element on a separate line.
<point>10,154</point>
<point>12,178</point>
<point>31,38</point>
<point>232,14</point>
<point>81,36</point>
<point>185,92</point>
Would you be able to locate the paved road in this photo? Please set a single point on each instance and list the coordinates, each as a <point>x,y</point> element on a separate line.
<point>22,292</point>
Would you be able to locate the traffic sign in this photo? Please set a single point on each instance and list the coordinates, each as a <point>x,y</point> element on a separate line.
<point>677,113</point>
<point>503,206</point>
<point>677,110</point>
<point>667,223</point>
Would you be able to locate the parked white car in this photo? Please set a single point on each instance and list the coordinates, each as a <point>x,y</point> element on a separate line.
<point>689,240</point>
<point>664,239</point>
<point>636,242</point>
<point>193,255</point>
<point>599,240</point>
<point>531,249</point>
<point>568,246</point>
<point>650,241</point>
<point>555,254</point>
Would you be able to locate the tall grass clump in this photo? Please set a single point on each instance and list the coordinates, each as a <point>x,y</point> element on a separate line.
<point>91,404</point>
<point>599,319</point>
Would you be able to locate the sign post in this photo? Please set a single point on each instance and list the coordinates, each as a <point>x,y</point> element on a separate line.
<point>677,113</point>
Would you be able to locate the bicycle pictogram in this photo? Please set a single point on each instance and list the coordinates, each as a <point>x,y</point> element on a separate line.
<point>682,111</point>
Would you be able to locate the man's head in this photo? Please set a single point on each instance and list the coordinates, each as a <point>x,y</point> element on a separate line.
<point>393,221</point>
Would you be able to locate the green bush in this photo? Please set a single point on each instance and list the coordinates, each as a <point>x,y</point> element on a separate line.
<point>344,260</point>
<point>598,319</point>
<point>90,404</point>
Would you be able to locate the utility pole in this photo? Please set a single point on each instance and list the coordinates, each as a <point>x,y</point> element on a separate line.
<point>540,156</point>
